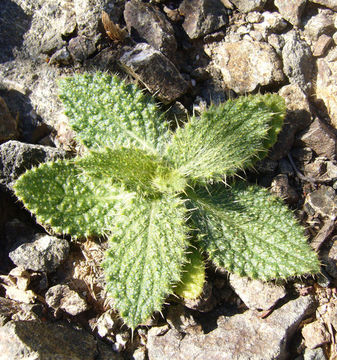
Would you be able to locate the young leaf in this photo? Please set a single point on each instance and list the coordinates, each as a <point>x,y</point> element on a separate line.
<point>140,172</point>
<point>146,256</point>
<point>247,231</point>
<point>228,137</point>
<point>193,277</point>
<point>70,202</point>
<point>104,111</point>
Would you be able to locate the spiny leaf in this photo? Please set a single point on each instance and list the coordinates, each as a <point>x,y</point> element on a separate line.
<point>70,202</point>
<point>228,137</point>
<point>104,111</point>
<point>146,256</point>
<point>247,231</point>
<point>139,171</point>
<point>193,277</point>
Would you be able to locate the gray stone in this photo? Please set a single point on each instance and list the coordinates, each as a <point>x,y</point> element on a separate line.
<point>291,10</point>
<point>331,4</point>
<point>61,57</point>
<point>245,336</point>
<point>203,16</point>
<point>314,354</point>
<point>62,297</point>
<point>44,253</point>
<point>298,63</point>
<point>322,201</point>
<point>315,334</point>
<point>17,157</point>
<point>81,48</point>
<point>249,5</point>
<point>22,340</point>
<point>320,138</point>
<point>155,71</point>
<point>147,23</point>
<point>256,294</point>
<point>246,65</point>
<point>8,124</point>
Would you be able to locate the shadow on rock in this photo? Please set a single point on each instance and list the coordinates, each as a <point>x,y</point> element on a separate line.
<point>13,25</point>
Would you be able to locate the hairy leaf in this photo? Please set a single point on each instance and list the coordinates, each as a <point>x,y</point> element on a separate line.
<point>146,256</point>
<point>139,171</point>
<point>193,277</point>
<point>104,111</point>
<point>247,231</point>
<point>228,137</point>
<point>70,202</point>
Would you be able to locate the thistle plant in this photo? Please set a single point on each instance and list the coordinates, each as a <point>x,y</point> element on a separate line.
<point>163,197</point>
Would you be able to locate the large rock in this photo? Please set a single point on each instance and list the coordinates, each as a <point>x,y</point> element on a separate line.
<point>298,62</point>
<point>319,24</point>
<point>154,70</point>
<point>203,16</point>
<point>23,340</point>
<point>45,253</point>
<point>17,157</point>
<point>245,336</point>
<point>146,22</point>
<point>246,65</point>
<point>291,10</point>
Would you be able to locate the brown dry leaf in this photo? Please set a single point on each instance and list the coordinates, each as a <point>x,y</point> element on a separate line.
<point>113,30</point>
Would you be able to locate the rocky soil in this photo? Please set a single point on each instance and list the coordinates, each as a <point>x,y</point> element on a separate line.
<point>188,53</point>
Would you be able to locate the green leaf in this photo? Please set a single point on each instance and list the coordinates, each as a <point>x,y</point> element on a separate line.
<point>228,137</point>
<point>193,278</point>
<point>104,111</point>
<point>70,202</point>
<point>139,171</point>
<point>247,231</point>
<point>147,252</point>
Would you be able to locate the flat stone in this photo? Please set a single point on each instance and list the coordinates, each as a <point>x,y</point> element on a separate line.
<point>322,201</point>
<point>249,5</point>
<point>62,297</point>
<point>44,253</point>
<point>21,340</point>
<point>298,62</point>
<point>322,45</point>
<point>320,138</point>
<point>326,86</point>
<point>245,336</point>
<point>246,65</point>
<point>17,157</point>
<point>155,71</point>
<point>331,4</point>
<point>146,22</point>
<point>8,124</point>
<point>203,17</point>
<point>315,334</point>
<point>256,294</point>
<point>291,10</point>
